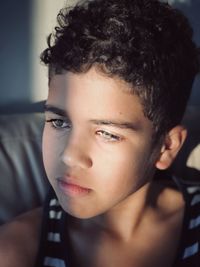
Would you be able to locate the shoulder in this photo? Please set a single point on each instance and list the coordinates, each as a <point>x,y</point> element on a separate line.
<point>177,194</point>
<point>19,239</point>
<point>169,198</point>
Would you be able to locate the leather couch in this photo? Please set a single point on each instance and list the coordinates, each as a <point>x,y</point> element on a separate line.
<point>23,182</point>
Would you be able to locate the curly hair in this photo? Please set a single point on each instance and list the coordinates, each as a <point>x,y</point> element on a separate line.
<point>146,43</point>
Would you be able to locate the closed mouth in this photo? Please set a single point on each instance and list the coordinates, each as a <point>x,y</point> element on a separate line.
<point>72,188</point>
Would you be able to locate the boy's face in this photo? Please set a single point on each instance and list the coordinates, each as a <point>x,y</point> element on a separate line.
<point>97,144</point>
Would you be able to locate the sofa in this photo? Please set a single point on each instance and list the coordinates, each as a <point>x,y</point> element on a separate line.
<point>23,181</point>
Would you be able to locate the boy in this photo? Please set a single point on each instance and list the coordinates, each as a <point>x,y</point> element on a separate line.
<point>120,75</point>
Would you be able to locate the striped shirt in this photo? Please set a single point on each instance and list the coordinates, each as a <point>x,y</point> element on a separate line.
<point>53,245</point>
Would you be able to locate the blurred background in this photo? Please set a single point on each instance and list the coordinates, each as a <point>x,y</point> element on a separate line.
<point>25,24</point>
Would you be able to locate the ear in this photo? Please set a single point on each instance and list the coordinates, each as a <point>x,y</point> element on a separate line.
<point>172,143</point>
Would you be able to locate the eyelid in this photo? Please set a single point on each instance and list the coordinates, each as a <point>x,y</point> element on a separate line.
<point>113,137</point>
<point>51,115</point>
<point>56,127</point>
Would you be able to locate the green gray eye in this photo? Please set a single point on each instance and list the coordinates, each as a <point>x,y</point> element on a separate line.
<point>108,136</point>
<point>59,123</point>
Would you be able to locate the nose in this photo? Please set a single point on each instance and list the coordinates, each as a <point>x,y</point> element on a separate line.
<point>76,154</point>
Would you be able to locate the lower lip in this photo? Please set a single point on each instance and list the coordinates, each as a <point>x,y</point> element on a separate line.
<point>72,189</point>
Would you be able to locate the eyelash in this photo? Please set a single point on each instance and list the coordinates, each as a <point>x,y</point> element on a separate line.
<point>109,137</point>
<point>58,127</point>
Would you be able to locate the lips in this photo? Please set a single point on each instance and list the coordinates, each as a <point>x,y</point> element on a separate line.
<point>69,186</point>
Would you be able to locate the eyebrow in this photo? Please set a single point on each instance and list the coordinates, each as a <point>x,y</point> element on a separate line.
<point>118,124</point>
<point>55,110</point>
<point>114,123</point>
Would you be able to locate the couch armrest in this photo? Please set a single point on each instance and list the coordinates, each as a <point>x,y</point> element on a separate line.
<point>23,181</point>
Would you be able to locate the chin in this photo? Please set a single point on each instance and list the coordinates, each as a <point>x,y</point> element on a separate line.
<point>79,213</point>
<point>76,209</point>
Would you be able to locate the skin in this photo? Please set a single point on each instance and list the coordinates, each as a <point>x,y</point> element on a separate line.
<point>102,171</point>
<point>113,167</point>
<point>81,151</point>
<point>19,239</point>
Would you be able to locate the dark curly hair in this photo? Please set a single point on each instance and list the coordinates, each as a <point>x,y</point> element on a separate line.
<point>146,43</point>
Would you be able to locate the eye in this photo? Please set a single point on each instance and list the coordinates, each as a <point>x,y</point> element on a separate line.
<point>59,123</point>
<point>108,136</point>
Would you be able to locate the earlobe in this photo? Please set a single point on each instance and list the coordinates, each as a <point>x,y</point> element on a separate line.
<point>172,143</point>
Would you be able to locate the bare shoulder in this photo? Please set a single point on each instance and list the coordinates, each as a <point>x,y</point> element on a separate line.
<point>171,205</point>
<point>19,239</point>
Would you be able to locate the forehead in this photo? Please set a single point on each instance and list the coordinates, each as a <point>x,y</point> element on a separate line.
<point>94,93</point>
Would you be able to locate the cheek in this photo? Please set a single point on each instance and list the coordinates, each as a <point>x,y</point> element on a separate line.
<point>49,152</point>
<point>122,169</point>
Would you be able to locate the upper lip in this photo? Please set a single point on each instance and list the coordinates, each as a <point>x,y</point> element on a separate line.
<point>73,180</point>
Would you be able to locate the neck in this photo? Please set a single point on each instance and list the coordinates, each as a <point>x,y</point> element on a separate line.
<point>122,220</point>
